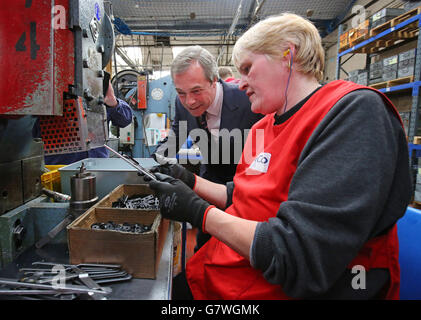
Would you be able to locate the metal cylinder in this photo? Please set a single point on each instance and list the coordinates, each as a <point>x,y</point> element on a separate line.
<point>83,190</point>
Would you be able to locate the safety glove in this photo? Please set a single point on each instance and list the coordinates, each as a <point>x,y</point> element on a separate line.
<point>178,202</point>
<point>176,171</point>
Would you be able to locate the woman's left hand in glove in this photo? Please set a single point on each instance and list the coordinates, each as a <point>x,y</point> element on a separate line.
<point>178,202</point>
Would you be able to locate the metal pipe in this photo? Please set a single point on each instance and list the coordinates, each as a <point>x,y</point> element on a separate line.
<point>137,166</point>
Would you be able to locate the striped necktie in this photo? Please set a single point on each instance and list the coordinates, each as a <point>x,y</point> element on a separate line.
<point>202,121</point>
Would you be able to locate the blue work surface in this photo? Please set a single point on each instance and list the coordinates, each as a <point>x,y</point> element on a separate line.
<point>109,173</point>
<point>409,234</point>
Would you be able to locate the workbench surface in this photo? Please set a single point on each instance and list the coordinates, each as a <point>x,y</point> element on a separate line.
<point>134,289</point>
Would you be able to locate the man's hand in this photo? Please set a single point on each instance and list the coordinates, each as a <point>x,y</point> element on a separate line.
<point>176,171</point>
<point>110,99</point>
<point>178,202</point>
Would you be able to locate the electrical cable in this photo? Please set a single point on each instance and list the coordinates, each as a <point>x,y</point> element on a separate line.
<point>289,77</point>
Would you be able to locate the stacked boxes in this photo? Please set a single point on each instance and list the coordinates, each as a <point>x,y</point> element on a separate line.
<point>356,35</point>
<point>417,194</point>
<point>385,15</point>
<point>406,63</point>
<point>358,76</point>
<point>390,68</point>
<point>363,78</point>
<point>376,72</point>
<point>411,5</point>
<point>397,66</point>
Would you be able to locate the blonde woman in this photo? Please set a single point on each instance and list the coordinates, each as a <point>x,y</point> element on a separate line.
<point>318,203</point>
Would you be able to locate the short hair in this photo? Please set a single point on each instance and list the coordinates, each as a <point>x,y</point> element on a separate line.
<point>192,54</point>
<point>225,72</point>
<point>273,36</point>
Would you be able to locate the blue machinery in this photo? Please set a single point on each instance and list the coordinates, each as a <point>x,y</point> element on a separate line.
<point>153,107</point>
<point>161,101</point>
<point>409,235</point>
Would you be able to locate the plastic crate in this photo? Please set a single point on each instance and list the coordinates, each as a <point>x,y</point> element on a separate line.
<point>54,167</point>
<point>51,180</point>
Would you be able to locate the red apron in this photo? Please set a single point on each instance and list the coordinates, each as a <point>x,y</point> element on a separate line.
<point>218,272</point>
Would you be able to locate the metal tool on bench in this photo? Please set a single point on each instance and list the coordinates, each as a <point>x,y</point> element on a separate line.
<point>57,196</point>
<point>77,279</point>
<point>57,289</point>
<point>83,196</point>
<point>101,273</point>
<point>133,163</point>
<point>89,282</point>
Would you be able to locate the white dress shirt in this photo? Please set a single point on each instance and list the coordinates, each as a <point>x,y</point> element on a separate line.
<point>213,113</point>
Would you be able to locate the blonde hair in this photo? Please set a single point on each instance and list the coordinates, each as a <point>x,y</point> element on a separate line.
<point>273,36</point>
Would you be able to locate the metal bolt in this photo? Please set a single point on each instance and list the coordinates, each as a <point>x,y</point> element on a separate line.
<point>87,95</point>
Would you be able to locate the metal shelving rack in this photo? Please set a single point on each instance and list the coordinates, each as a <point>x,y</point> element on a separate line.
<point>414,86</point>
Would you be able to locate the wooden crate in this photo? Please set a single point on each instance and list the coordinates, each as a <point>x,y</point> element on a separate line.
<point>359,34</point>
<point>138,254</point>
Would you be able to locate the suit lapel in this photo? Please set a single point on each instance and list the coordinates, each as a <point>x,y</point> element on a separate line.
<point>231,113</point>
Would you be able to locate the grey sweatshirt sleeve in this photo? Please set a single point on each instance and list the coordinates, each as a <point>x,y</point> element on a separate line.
<point>352,182</point>
<point>121,115</point>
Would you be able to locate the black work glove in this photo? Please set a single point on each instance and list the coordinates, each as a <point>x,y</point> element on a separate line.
<point>176,171</point>
<point>178,202</point>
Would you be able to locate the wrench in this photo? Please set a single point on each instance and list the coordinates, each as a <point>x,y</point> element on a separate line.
<point>86,280</point>
<point>65,289</point>
<point>80,265</point>
<point>110,280</point>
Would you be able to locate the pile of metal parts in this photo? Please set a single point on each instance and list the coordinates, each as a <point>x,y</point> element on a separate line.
<point>122,227</point>
<point>64,281</point>
<point>148,202</point>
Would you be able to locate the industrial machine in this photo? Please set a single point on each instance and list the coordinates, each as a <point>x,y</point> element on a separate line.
<point>53,57</point>
<point>51,101</point>
<point>153,104</point>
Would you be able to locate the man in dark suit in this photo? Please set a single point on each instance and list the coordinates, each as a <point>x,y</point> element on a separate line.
<point>216,115</point>
<point>218,108</point>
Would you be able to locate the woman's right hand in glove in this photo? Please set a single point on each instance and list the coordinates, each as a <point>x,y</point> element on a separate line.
<point>176,171</point>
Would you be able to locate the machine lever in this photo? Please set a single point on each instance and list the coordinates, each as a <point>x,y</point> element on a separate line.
<point>133,163</point>
<point>54,232</point>
<point>57,196</point>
